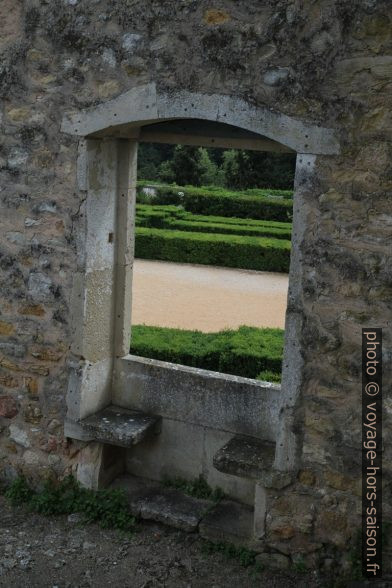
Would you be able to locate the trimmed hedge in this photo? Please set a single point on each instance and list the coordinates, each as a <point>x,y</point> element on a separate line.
<point>231,229</point>
<point>257,253</point>
<point>241,206</point>
<point>256,204</point>
<point>261,192</point>
<point>227,220</point>
<point>248,351</point>
<point>172,217</point>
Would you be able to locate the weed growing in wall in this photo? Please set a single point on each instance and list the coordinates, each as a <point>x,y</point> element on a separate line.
<point>198,488</point>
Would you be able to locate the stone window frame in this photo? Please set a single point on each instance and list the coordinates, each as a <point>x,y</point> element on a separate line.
<point>104,230</point>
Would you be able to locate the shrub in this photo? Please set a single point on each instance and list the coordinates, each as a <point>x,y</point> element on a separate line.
<point>245,352</point>
<point>227,220</point>
<point>231,229</point>
<point>175,217</point>
<point>245,206</point>
<point>257,253</point>
<point>256,204</point>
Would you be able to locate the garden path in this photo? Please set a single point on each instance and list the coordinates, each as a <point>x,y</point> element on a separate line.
<point>206,298</point>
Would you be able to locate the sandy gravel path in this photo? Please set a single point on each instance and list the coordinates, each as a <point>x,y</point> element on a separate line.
<point>49,552</point>
<point>206,298</point>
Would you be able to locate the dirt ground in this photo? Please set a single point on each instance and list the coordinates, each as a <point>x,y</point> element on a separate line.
<point>206,298</point>
<point>50,552</point>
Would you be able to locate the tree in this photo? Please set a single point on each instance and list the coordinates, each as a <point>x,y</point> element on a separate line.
<point>236,169</point>
<point>211,173</point>
<point>186,165</point>
<point>150,158</point>
<point>258,169</point>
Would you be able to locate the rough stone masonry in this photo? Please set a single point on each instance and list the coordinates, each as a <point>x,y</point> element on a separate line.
<point>326,63</point>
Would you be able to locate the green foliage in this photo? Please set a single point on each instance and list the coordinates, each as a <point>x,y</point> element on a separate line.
<point>19,492</point>
<point>269,376</point>
<point>243,206</point>
<point>150,159</point>
<point>255,204</point>
<point>186,165</point>
<point>107,507</point>
<point>243,555</point>
<point>211,172</point>
<point>257,253</point>
<point>164,189</point>
<point>231,229</point>
<point>248,169</point>
<point>245,352</point>
<point>240,222</point>
<point>233,168</point>
<point>197,488</point>
<point>166,173</point>
<point>176,218</point>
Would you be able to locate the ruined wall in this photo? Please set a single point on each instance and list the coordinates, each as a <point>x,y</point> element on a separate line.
<point>326,62</point>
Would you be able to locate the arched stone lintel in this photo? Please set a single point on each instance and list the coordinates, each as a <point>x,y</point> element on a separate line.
<point>146,105</point>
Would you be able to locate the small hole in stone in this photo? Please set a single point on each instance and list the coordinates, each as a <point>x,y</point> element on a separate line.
<point>110,239</point>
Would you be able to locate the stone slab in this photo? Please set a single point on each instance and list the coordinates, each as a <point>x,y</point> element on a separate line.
<point>245,456</point>
<point>200,397</point>
<point>151,501</point>
<point>228,521</point>
<point>118,426</point>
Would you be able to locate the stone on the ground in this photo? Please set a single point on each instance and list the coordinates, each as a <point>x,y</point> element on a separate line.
<point>172,507</point>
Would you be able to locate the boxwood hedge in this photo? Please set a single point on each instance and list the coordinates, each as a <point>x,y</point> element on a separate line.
<point>174,217</point>
<point>256,204</point>
<point>242,206</point>
<point>248,351</point>
<point>257,253</point>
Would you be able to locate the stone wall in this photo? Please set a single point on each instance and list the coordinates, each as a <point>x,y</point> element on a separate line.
<point>327,63</point>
